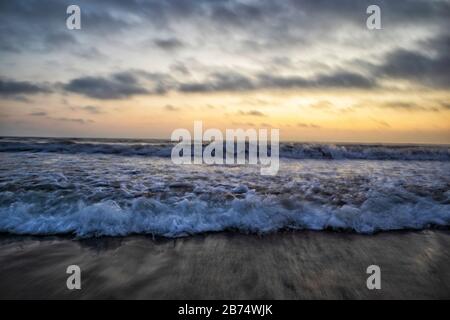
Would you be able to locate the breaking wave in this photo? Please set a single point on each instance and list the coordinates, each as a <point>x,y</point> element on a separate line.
<point>251,214</point>
<point>162,148</point>
<point>92,195</point>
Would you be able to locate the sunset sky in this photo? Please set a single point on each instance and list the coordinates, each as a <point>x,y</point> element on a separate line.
<point>140,69</point>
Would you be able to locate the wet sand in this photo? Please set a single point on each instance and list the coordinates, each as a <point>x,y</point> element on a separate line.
<point>286,265</point>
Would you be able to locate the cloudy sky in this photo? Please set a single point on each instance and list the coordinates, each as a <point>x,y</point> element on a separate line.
<point>311,68</point>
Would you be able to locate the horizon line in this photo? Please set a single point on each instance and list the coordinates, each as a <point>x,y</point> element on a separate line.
<point>281,141</point>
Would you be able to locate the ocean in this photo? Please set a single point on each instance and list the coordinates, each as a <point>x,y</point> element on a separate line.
<point>119,187</point>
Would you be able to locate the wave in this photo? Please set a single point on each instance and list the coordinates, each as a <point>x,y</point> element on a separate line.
<point>89,196</point>
<point>251,214</point>
<point>161,148</point>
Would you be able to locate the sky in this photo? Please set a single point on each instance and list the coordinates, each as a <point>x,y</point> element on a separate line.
<point>311,68</point>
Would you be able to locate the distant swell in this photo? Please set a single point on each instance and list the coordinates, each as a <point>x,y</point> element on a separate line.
<point>287,150</point>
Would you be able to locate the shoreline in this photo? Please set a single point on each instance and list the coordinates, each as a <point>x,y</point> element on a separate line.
<point>283,265</point>
<point>230,232</point>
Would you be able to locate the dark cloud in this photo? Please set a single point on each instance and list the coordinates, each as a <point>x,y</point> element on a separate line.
<point>156,83</point>
<point>169,44</point>
<point>344,80</point>
<point>334,80</point>
<point>405,9</point>
<point>230,81</point>
<point>118,86</point>
<point>445,105</point>
<point>14,88</point>
<point>284,82</point>
<point>37,25</point>
<point>38,114</point>
<point>57,40</point>
<point>430,68</point>
<point>122,85</point>
<point>236,82</point>
<point>30,25</point>
<point>266,24</point>
<point>236,13</point>
<point>415,66</point>
<point>25,22</point>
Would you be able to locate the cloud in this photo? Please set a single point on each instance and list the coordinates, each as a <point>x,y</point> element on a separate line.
<point>121,85</point>
<point>402,105</point>
<point>90,53</point>
<point>243,124</point>
<point>424,68</point>
<point>180,68</point>
<point>253,113</point>
<point>74,120</point>
<point>56,40</point>
<point>38,114</point>
<point>345,80</point>
<point>445,105</point>
<point>267,22</point>
<point>92,109</point>
<point>233,81</point>
<point>323,104</point>
<point>169,44</point>
<point>31,25</point>
<point>307,125</point>
<point>117,86</point>
<point>393,12</point>
<point>407,106</point>
<point>236,13</point>
<point>170,107</point>
<point>89,108</point>
<point>230,81</point>
<point>12,88</point>
<point>338,79</point>
<point>222,31</point>
<point>381,122</point>
<point>414,66</point>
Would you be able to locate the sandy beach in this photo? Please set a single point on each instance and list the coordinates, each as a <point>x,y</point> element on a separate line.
<point>284,265</point>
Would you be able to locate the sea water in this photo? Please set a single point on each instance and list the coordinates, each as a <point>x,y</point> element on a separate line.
<point>105,187</point>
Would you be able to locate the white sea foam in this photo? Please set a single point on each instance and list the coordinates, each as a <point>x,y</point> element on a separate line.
<point>96,195</point>
<point>250,214</point>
